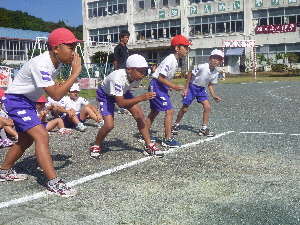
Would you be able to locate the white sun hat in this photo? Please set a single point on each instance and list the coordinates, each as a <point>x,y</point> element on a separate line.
<point>137,61</point>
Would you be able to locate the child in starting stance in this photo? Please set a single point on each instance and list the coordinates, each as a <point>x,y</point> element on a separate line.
<point>161,84</point>
<point>195,89</point>
<point>115,89</point>
<point>36,77</point>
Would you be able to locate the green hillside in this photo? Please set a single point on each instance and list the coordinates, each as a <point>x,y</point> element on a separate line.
<point>24,21</point>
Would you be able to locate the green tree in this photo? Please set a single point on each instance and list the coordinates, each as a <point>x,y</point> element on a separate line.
<point>292,58</point>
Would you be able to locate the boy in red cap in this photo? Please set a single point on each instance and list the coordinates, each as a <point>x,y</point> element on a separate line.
<point>161,84</point>
<point>34,79</point>
<point>195,89</point>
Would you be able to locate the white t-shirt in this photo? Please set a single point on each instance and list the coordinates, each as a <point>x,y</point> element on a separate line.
<point>51,101</point>
<point>116,83</point>
<point>37,73</point>
<point>202,75</point>
<point>167,67</point>
<point>76,104</point>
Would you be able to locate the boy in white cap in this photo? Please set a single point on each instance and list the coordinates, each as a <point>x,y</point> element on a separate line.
<point>115,89</point>
<point>161,85</point>
<point>73,113</point>
<point>195,89</point>
<point>34,79</point>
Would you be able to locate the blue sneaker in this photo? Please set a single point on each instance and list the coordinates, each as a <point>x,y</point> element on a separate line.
<point>171,143</point>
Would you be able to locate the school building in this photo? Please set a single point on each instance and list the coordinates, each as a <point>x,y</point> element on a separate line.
<point>15,44</point>
<point>233,26</point>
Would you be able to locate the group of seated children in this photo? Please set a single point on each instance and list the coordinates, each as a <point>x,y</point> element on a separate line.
<point>70,112</point>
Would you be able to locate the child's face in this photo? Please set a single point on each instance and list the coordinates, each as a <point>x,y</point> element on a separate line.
<point>137,73</point>
<point>125,39</point>
<point>65,52</point>
<point>215,60</point>
<point>73,94</point>
<point>183,50</point>
<point>40,105</point>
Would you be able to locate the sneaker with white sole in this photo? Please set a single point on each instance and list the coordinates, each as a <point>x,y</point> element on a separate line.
<point>152,150</point>
<point>206,132</point>
<point>95,152</point>
<point>61,189</point>
<point>11,175</point>
<point>64,131</point>
<point>171,143</point>
<point>81,127</point>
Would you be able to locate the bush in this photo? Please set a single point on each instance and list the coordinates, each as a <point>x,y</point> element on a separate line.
<point>279,67</point>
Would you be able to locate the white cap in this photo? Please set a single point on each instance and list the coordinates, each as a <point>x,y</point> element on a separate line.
<point>75,87</point>
<point>217,52</point>
<point>136,61</point>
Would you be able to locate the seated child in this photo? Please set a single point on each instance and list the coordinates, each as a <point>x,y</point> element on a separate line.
<point>57,122</point>
<point>73,113</point>
<point>9,123</point>
<point>53,107</point>
<point>4,141</point>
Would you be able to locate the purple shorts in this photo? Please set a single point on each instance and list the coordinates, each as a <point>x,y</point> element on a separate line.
<point>162,100</point>
<point>68,123</point>
<point>197,92</point>
<point>107,102</point>
<point>22,111</point>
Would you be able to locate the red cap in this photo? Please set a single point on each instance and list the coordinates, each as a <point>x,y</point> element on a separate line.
<point>42,99</point>
<point>180,40</point>
<point>61,36</point>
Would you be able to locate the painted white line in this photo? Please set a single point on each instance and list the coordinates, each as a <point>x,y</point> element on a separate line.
<point>253,132</point>
<point>105,172</point>
<point>295,134</point>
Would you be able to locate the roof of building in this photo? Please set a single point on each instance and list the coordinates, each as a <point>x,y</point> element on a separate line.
<point>21,34</point>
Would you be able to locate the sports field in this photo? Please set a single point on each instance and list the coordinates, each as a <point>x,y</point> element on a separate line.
<point>247,174</point>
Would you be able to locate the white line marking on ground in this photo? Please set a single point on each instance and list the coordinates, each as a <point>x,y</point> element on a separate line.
<point>105,172</point>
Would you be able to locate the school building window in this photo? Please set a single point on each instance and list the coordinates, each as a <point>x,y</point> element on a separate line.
<point>156,30</point>
<point>104,8</point>
<point>199,1</point>
<point>106,34</point>
<point>277,16</point>
<point>220,23</point>
<point>151,4</point>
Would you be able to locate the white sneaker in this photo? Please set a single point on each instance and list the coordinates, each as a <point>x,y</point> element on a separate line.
<point>11,175</point>
<point>60,189</point>
<point>81,127</point>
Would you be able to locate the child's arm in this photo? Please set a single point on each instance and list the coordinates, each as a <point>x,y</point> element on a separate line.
<point>127,103</point>
<point>187,83</point>
<point>58,92</point>
<point>161,78</point>
<point>71,113</point>
<point>212,92</point>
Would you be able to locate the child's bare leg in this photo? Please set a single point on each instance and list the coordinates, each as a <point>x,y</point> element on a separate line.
<point>42,152</point>
<point>138,115</point>
<point>53,123</point>
<point>74,119</point>
<point>206,107</point>
<point>181,112</point>
<point>168,123</point>
<point>105,129</point>
<point>151,117</point>
<point>87,111</point>
<point>17,150</point>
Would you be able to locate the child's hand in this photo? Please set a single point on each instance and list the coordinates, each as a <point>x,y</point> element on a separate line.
<point>183,94</point>
<point>216,98</point>
<point>179,87</point>
<point>76,64</point>
<point>148,95</point>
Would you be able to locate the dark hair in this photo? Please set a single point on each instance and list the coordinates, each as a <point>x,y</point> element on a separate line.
<point>124,33</point>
